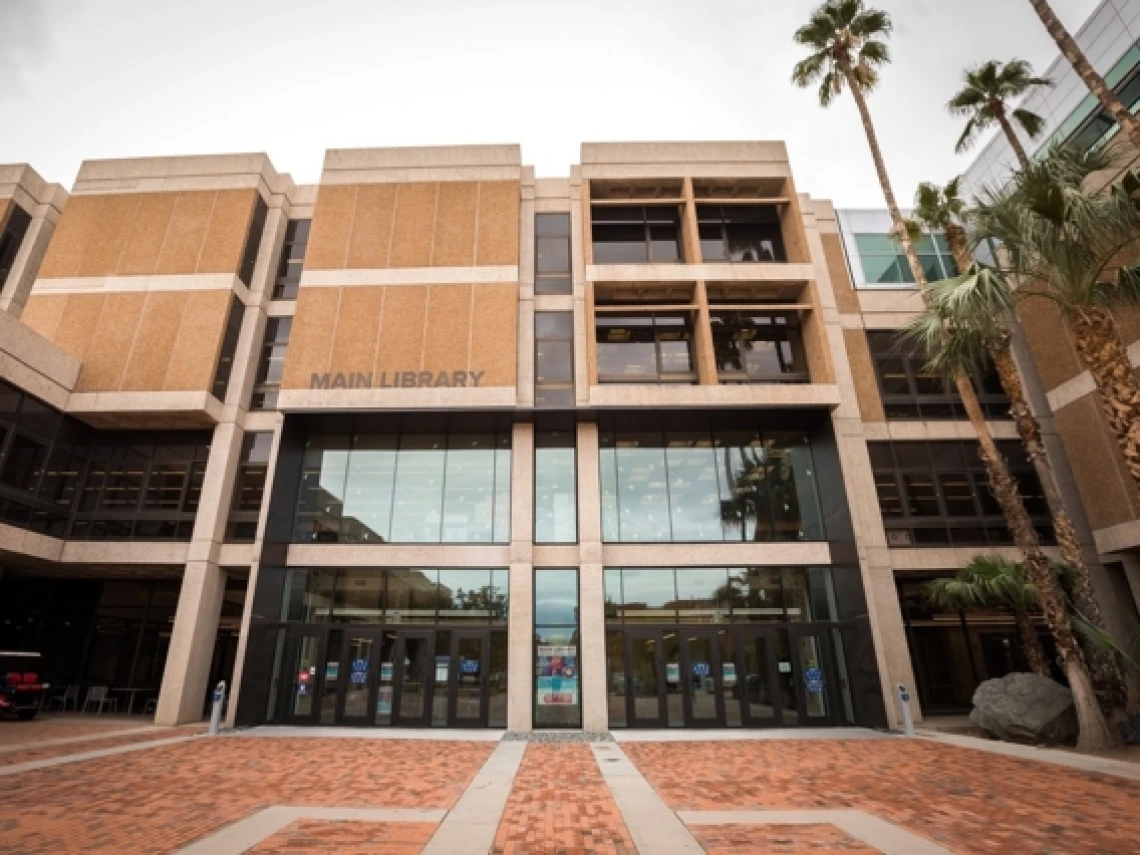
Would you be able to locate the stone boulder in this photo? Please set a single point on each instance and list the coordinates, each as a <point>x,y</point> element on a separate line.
<point>1025,708</point>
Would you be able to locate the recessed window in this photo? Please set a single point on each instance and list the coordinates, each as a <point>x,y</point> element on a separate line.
<point>253,241</point>
<point>740,233</point>
<point>633,234</point>
<point>292,260</point>
<point>11,238</point>
<point>648,347</point>
<point>229,348</point>
<point>552,254</point>
<point>271,365</point>
<point>758,347</point>
<point>249,486</point>
<point>554,359</point>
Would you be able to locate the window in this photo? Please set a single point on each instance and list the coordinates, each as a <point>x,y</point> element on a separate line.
<point>649,347</point>
<point>937,494</point>
<point>406,486</point>
<point>557,675</point>
<point>249,487</point>
<point>292,260</point>
<point>721,483</point>
<point>884,262</point>
<point>555,486</point>
<point>229,348</point>
<point>271,364</point>
<point>719,595</point>
<point>910,391</point>
<point>631,234</point>
<point>253,242</point>
<point>554,359</point>
<point>740,233</point>
<point>552,252</point>
<point>10,239</point>
<point>758,347</point>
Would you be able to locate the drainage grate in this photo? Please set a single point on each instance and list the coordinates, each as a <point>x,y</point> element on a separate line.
<point>556,736</point>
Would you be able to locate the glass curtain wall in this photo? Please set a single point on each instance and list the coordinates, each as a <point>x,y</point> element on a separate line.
<point>557,674</point>
<point>708,485</point>
<point>405,487</point>
<point>555,486</point>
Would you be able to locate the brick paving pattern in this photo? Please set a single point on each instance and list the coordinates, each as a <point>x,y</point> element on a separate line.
<point>96,743</point>
<point>777,840</point>
<point>43,728</point>
<point>966,801</point>
<point>320,837</point>
<point>561,805</point>
<point>160,799</point>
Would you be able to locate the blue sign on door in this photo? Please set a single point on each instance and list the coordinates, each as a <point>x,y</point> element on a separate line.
<point>813,680</point>
<point>359,671</point>
<point>701,669</point>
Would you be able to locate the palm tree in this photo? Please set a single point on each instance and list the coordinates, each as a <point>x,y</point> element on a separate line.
<point>985,99</point>
<point>847,49</point>
<point>1095,83</point>
<point>989,582</point>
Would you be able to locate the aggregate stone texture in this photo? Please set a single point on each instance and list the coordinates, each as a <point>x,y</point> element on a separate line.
<point>322,837</point>
<point>557,736</point>
<point>561,805</point>
<point>749,839</point>
<point>97,742</point>
<point>965,800</point>
<point>159,799</point>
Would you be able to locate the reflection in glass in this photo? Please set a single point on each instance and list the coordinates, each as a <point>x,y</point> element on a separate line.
<point>368,494</point>
<point>615,678</point>
<point>757,688</point>
<point>702,682</point>
<point>556,596</point>
<point>650,595</point>
<point>555,488</point>
<point>359,596</point>
<point>414,677</point>
<point>359,676</point>
<point>305,675</point>
<point>332,678</point>
<point>497,682</point>
<point>468,503</point>
<point>703,595</point>
<point>417,513</point>
<point>693,487</point>
<point>674,688</point>
<point>411,595</point>
<point>816,690</point>
<point>729,681</point>
<point>645,678</point>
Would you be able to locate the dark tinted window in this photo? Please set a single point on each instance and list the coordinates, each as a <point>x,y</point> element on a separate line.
<point>624,234</point>
<point>229,348</point>
<point>740,233</point>
<point>10,239</point>
<point>292,260</point>
<point>253,242</point>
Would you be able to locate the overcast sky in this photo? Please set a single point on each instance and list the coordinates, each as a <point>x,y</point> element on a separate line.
<point>84,79</point>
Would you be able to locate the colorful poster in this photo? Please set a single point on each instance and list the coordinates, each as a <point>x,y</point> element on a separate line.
<point>672,672</point>
<point>386,672</point>
<point>728,672</point>
<point>557,675</point>
<point>384,700</point>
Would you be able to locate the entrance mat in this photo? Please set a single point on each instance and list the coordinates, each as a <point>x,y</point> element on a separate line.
<point>557,736</point>
<point>739,839</point>
<point>347,837</point>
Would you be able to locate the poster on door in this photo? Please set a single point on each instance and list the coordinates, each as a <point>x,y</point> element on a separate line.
<point>557,675</point>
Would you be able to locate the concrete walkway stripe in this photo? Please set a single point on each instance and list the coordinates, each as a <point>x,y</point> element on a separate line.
<point>1081,762</point>
<point>243,835</point>
<point>470,826</point>
<point>870,829</point>
<point>655,829</point>
<point>32,765</point>
<point>70,740</point>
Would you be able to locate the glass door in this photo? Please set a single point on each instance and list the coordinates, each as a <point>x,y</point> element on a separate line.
<point>467,692</point>
<point>304,662</point>
<point>814,672</point>
<point>415,661</point>
<point>385,680</point>
<point>758,678</point>
<point>646,678</point>
<point>700,668</point>
<point>359,666</point>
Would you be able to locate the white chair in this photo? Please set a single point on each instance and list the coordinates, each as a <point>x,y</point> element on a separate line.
<point>71,695</point>
<point>97,696</point>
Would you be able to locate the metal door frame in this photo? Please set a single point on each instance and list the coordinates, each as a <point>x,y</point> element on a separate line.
<point>658,635</point>
<point>376,634</point>
<point>398,657</point>
<point>453,720</point>
<point>747,635</point>
<point>716,670</point>
<point>293,641</point>
<point>831,683</point>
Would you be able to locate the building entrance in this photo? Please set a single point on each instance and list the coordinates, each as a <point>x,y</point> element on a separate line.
<point>387,677</point>
<point>694,677</point>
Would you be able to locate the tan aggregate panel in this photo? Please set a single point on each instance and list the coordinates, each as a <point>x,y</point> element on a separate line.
<point>71,236</point>
<point>846,300</point>
<point>1108,492</point>
<point>154,343</point>
<point>1049,342</point>
<point>498,237</point>
<point>415,218</point>
<point>311,338</point>
<point>331,227</point>
<point>815,341</point>
<point>402,328</point>
<point>357,328</point>
<point>5,209</point>
<point>454,244</point>
<point>863,373</point>
<point>227,232</point>
<point>148,231</point>
<point>77,326</point>
<point>372,226</point>
<point>792,227</point>
<point>448,328</point>
<point>184,237</point>
<point>194,357</point>
<point>42,313</point>
<point>110,345</point>
<point>494,334</point>
<point>105,245</point>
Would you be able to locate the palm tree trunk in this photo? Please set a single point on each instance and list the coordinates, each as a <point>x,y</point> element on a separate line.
<point>1102,351</point>
<point>1068,46</point>
<point>1094,731</point>
<point>1034,651</point>
<point>1007,129</point>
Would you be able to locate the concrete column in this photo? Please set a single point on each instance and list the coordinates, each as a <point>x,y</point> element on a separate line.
<point>525,354</point>
<point>520,628</point>
<point>703,351</point>
<point>583,310</point>
<point>591,587</point>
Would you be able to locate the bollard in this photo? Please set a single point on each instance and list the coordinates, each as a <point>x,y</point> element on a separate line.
<point>216,712</point>
<point>904,700</point>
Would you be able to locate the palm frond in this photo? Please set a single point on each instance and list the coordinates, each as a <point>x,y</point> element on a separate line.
<point>1030,122</point>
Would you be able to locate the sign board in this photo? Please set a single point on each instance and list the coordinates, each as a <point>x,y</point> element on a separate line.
<point>785,667</point>
<point>358,675</point>
<point>672,672</point>
<point>728,673</point>
<point>557,675</point>
<point>813,680</point>
<point>395,379</point>
<point>701,669</point>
